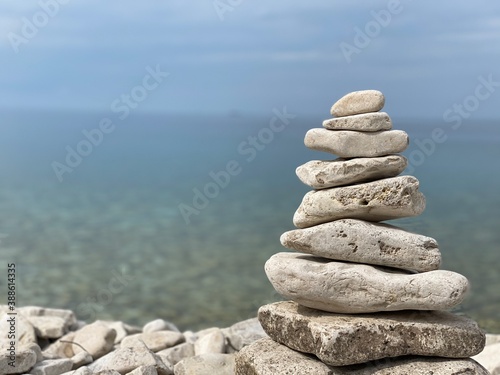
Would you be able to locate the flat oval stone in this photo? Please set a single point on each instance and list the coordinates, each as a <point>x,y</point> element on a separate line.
<point>339,340</point>
<point>354,144</point>
<point>358,102</point>
<point>322,174</point>
<point>365,242</point>
<point>365,122</point>
<point>386,199</point>
<point>267,357</point>
<point>358,288</point>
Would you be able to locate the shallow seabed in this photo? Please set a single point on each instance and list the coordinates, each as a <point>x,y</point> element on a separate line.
<point>109,241</point>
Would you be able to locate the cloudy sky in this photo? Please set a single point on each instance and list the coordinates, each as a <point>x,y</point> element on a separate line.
<point>227,56</point>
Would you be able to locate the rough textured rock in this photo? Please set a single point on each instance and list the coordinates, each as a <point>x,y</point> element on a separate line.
<point>206,364</point>
<point>125,360</point>
<point>366,122</point>
<point>322,174</point>
<point>214,342</point>
<point>122,329</point>
<point>267,357</point>
<point>144,370</point>
<point>390,198</point>
<point>358,288</point>
<point>24,360</point>
<point>25,332</point>
<point>84,370</point>
<point>365,242</point>
<point>358,102</point>
<point>338,339</point>
<point>52,367</point>
<point>177,353</point>
<point>352,144</point>
<point>97,339</point>
<point>490,358</point>
<point>62,348</point>
<point>155,341</point>
<point>81,359</point>
<point>159,325</point>
<point>48,323</point>
<point>243,333</point>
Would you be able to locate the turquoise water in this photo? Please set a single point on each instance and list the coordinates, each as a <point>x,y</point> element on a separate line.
<point>110,239</point>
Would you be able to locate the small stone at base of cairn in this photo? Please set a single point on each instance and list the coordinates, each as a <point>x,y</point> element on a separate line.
<point>367,298</point>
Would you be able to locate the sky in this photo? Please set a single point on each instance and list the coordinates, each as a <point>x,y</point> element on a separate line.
<point>250,56</point>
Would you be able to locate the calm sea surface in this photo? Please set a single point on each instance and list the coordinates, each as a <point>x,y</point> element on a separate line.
<point>138,227</point>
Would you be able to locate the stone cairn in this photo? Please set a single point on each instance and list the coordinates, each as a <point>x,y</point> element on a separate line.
<point>366,297</point>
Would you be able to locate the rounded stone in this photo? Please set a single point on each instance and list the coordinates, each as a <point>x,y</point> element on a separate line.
<point>358,102</point>
<point>358,288</point>
<point>355,144</point>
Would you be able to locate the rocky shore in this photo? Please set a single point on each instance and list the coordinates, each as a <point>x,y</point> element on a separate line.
<point>53,342</point>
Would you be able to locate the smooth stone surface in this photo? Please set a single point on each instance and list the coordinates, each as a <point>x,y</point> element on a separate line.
<point>490,358</point>
<point>206,364</point>
<point>339,339</point>
<point>177,353</point>
<point>97,339</point>
<point>358,102</point>
<point>267,357</point>
<point>155,341</point>
<point>159,325</point>
<point>353,144</point>
<point>243,333</point>
<point>386,199</point>
<point>52,367</point>
<point>125,360</point>
<point>214,342</point>
<point>25,359</point>
<point>358,288</point>
<point>323,174</point>
<point>366,122</point>
<point>48,323</point>
<point>365,242</point>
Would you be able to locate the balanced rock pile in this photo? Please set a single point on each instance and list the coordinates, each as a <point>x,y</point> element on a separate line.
<point>366,297</point>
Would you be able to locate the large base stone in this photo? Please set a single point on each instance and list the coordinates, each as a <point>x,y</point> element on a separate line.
<point>364,242</point>
<point>339,340</point>
<point>343,287</point>
<point>267,357</point>
<point>386,199</point>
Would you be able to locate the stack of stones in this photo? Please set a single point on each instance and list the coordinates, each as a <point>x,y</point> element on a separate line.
<point>366,297</point>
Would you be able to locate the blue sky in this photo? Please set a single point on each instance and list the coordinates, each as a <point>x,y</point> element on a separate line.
<point>245,56</point>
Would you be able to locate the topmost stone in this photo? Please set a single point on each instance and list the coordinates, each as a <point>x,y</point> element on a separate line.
<point>358,102</point>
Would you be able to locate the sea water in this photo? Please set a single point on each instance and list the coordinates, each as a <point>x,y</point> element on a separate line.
<point>174,216</point>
